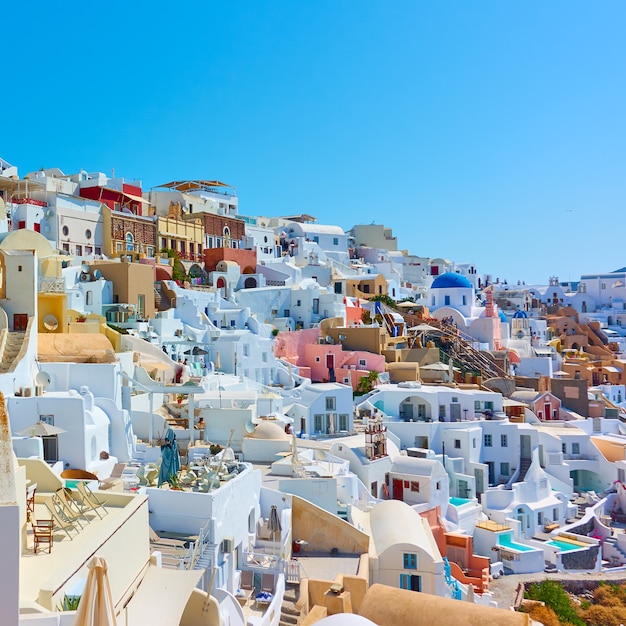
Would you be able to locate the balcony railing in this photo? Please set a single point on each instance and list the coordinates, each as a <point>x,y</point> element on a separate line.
<point>51,285</point>
<point>188,256</point>
<point>28,201</point>
<point>262,560</point>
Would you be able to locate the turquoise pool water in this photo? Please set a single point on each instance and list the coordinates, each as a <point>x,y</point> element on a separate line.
<point>72,484</point>
<point>458,501</point>
<point>506,542</point>
<point>563,545</point>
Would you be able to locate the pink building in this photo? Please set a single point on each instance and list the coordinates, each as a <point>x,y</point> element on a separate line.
<point>324,362</point>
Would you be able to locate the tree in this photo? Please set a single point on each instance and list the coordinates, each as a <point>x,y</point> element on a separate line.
<point>367,383</point>
<point>178,269</point>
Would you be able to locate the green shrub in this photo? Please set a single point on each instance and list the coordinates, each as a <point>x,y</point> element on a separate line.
<point>557,599</point>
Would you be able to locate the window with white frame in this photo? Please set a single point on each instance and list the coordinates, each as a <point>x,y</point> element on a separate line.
<point>331,403</point>
<point>488,441</point>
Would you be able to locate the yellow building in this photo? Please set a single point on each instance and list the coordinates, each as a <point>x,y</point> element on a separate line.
<point>184,236</point>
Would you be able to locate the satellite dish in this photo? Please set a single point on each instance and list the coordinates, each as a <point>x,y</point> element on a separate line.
<point>84,267</point>
<point>249,426</point>
<point>50,322</point>
<point>43,379</point>
<point>97,274</point>
<point>342,337</point>
<point>329,339</point>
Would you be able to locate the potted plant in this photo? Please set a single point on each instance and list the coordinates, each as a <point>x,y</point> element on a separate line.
<point>179,398</point>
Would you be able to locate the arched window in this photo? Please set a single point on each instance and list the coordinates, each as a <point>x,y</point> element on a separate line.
<point>130,242</point>
<point>226,237</point>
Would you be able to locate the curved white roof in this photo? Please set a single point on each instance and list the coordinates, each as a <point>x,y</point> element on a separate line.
<point>326,229</point>
<point>414,465</point>
<point>394,522</point>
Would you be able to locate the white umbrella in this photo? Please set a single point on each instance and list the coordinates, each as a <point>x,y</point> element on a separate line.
<point>96,604</point>
<point>40,429</point>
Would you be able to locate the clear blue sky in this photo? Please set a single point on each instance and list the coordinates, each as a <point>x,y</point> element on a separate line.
<point>491,132</point>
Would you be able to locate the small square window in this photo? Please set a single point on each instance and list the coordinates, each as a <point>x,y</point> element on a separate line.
<point>488,441</point>
<point>504,442</point>
<point>415,486</point>
<point>410,560</point>
<point>457,443</point>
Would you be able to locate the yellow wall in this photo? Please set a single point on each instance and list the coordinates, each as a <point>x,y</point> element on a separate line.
<point>52,304</point>
<point>325,531</point>
<point>191,230</point>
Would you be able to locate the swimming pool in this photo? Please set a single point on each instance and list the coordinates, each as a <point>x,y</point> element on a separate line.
<point>564,546</point>
<point>459,501</point>
<point>506,542</point>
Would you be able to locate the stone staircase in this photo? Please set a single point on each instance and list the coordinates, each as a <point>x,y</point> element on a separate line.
<point>610,545</point>
<point>289,614</point>
<point>14,342</point>
<point>523,468</point>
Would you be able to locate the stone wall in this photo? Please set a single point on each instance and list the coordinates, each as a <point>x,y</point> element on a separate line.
<point>583,560</point>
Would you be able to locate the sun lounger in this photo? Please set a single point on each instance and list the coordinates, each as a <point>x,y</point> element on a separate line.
<point>73,505</point>
<point>59,522</point>
<point>116,475</point>
<point>267,583</point>
<point>90,500</point>
<point>65,511</point>
<point>156,539</point>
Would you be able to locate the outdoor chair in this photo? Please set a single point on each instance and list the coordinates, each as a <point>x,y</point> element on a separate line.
<point>43,533</point>
<point>116,475</point>
<point>90,500</point>
<point>156,541</point>
<point>30,501</point>
<point>64,510</point>
<point>73,505</point>
<point>267,583</point>
<point>246,587</point>
<point>59,522</point>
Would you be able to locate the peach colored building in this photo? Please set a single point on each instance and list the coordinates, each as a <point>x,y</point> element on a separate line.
<point>133,283</point>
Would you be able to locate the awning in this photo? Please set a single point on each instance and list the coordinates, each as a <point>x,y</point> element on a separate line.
<point>135,198</point>
<point>162,596</point>
<point>194,185</point>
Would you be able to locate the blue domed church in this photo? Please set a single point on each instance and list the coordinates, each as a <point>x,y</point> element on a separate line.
<point>452,290</point>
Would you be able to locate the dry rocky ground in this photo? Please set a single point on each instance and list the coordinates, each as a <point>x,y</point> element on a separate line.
<point>504,589</point>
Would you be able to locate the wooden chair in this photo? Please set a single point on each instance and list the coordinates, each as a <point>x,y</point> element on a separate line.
<point>30,501</point>
<point>43,533</point>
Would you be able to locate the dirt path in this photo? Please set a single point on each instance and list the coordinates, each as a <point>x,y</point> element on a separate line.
<point>505,587</point>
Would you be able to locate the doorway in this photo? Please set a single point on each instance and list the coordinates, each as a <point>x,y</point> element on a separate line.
<point>20,321</point>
